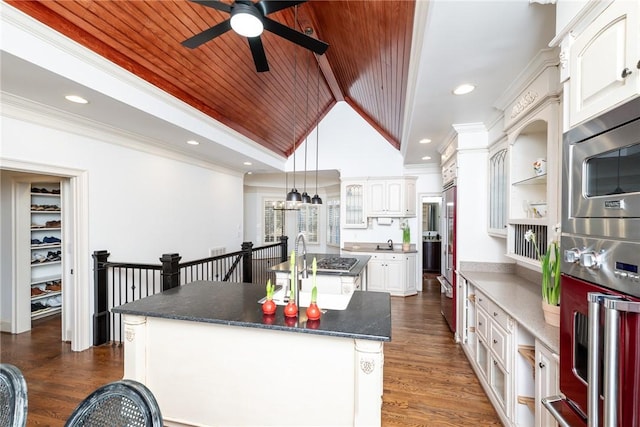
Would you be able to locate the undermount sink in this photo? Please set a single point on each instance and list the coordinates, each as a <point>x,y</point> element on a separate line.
<point>385,248</point>
<point>325,301</point>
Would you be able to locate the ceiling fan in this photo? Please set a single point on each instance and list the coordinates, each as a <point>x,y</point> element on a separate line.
<point>250,19</point>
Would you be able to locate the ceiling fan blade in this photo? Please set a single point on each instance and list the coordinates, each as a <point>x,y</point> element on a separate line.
<point>259,57</point>
<point>315,45</point>
<point>215,4</point>
<point>207,35</point>
<point>267,6</point>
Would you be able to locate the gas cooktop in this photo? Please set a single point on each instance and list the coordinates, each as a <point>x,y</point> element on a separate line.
<point>336,263</point>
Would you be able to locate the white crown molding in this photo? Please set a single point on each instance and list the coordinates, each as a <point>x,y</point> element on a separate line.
<point>43,115</point>
<point>544,58</point>
<point>584,17</point>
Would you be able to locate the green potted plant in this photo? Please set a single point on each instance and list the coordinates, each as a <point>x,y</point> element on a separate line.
<point>406,237</point>
<point>550,263</point>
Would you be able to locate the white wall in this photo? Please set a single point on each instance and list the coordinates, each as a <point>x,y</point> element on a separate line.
<point>473,242</point>
<point>349,144</point>
<point>140,205</point>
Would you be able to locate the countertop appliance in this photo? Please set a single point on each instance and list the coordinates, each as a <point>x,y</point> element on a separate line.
<point>448,278</point>
<point>600,297</point>
<point>336,263</point>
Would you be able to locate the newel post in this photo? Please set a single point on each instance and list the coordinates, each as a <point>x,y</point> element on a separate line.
<point>284,249</point>
<point>101,298</point>
<point>247,262</point>
<point>170,271</point>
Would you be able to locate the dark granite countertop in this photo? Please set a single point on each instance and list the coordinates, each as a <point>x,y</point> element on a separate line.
<point>368,315</point>
<point>285,267</point>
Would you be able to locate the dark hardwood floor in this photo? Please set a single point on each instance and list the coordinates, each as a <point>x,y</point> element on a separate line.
<point>427,378</point>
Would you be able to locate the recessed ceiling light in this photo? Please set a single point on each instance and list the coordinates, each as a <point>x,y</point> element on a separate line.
<point>463,89</point>
<point>425,141</point>
<point>193,142</point>
<point>77,99</point>
<point>426,158</point>
<point>247,163</point>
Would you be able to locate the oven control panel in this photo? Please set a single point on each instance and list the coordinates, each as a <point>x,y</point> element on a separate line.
<point>613,264</point>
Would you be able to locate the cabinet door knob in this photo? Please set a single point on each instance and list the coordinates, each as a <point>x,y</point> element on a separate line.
<point>480,323</point>
<point>495,341</point>
<point>542,365</point>
<point>626,73</point>
<point>495,363</point>
<point>638,65</point>
<point>495,313</point>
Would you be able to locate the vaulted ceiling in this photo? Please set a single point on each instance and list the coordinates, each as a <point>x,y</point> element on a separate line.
<point>366,64</point>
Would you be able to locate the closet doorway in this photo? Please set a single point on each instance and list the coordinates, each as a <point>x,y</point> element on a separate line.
<point>44,234</point>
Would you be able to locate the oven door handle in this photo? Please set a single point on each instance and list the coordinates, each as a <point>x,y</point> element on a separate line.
<point>613,308</point>
<point>595,300</point>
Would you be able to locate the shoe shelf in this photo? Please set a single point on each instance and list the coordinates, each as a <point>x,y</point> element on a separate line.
<point>44,279</point>
<point>46,244</point>
<point>48,311</point>
<point>39,264</point>
<point>45,295</point>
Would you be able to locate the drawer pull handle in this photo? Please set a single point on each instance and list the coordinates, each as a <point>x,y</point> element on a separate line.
<point>542,365</point>
<point>626,73</point>
<point>495,363</point>
<point>495,313</point>
<point>480,323</point>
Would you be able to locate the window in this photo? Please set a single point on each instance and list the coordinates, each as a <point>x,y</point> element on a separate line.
<point>308,222</point>
<point>273,223</point>
<point>333,222</point>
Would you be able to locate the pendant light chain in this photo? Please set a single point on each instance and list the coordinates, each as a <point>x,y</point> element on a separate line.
<point>305,195</point>
<point>316,200</point>
<point>293,196</point>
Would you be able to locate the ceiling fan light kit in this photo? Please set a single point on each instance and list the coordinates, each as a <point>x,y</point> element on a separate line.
<point>246,20</point>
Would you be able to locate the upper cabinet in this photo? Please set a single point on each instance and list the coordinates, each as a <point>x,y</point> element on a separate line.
<point>353,204</point>
<point>604,59</point>
<point>392,197</point>
<point>377,197</point>
<point>498,176</point>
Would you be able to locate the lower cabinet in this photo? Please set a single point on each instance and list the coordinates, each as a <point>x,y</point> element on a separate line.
<point>547,377</point>
<point>515,369</point>
<point>394,273</point>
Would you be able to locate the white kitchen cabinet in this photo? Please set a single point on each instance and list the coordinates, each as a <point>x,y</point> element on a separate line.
<point>392,272</point>
<point>353,206</point>
<point>546,383</point>
<point>391,197</point>
<point>411,285</point>
<point>604,62</point>
<point>498,177</point>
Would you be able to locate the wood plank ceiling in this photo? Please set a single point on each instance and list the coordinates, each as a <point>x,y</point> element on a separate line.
<point>366,64</point>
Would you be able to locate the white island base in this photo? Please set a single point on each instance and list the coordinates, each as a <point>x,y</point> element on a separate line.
<point>205,374</point>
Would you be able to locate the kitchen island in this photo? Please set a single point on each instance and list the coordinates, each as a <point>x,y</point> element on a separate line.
<point>211,357</point>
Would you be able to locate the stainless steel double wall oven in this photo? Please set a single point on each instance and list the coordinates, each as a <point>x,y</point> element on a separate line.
<point>600,298</point>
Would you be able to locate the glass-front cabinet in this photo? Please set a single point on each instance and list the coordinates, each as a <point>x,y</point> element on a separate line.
<point>353,204</point>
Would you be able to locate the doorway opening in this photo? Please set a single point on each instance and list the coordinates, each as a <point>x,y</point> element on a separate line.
<point>431,232</point>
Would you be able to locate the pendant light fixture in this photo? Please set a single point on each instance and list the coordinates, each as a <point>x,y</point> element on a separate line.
<point>306,199</point>
<point>316,200</point>
<point>293,197</point>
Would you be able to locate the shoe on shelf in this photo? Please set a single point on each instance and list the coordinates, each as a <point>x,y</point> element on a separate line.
<point>36,242</point>
<point>54,286</point>
<point>35,190</point>
<point>34,225</point>
<point>36,291</point>
<point>37,258</point>
<point>36,306</point>
<point>55,191</point>
<point>53,224</point>
<point>54,256</point>
<point>51,240</point>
